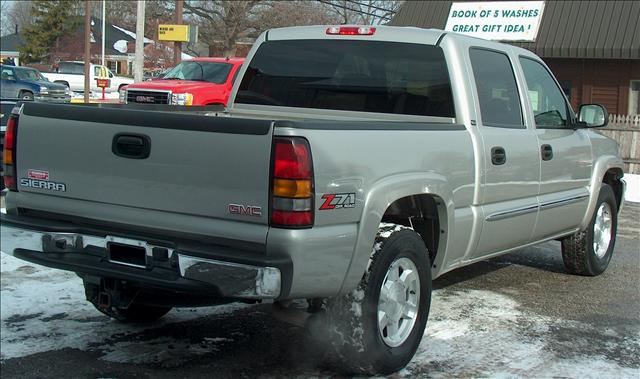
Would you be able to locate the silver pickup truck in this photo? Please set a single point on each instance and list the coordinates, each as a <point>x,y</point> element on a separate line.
<point>352,167</point>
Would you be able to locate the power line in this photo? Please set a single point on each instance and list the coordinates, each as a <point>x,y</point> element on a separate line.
<point>354,10</point>
<point>373,6</point>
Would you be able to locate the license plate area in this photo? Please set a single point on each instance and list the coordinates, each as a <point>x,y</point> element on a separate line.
<point>127,252</point>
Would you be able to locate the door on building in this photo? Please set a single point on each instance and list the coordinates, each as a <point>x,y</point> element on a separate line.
<point>511,164</point>
<point>564,153</point>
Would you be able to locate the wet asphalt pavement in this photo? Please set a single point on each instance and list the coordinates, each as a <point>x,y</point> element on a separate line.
<point>519,315</point>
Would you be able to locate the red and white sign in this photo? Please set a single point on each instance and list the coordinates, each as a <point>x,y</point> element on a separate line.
<point>38,174</point>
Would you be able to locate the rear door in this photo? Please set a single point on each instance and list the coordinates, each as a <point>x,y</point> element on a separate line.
<point>565,153</point>
<point>511,159</point>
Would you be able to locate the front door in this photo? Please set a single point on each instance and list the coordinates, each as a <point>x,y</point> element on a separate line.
<point>565,154</point>
<point>511,167</point>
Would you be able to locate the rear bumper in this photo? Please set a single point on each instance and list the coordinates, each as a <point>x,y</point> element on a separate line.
<point>172,266</point>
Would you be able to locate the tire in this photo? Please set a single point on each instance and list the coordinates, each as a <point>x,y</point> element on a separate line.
<point>352,320</point>
<point>584,253</point>
<point>135,313</point>
<point>25,96</point>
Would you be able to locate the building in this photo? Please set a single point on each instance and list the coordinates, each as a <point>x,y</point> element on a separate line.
<point>9,47</point>
<point>593,47</point>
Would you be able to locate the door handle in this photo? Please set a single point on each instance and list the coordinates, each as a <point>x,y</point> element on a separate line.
<point>132,146</point>
<point>498,155</point>
<point>546,151</point>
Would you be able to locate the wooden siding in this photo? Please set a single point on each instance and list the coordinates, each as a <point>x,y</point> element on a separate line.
<point>626,130</point>
<point>603,81</point>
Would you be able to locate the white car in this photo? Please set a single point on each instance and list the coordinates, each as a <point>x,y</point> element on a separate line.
<point>72,75</point>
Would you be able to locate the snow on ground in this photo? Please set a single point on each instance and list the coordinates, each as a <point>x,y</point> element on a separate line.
<point>45,309</point>
<point>471,333</point>
<point>479,333</point>
<point>633,188</point>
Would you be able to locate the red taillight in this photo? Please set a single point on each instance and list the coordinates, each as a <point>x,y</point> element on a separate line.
<point>292,183</point>
<point>292,160</point>
<point>9,153</point>
<point>351,30</point>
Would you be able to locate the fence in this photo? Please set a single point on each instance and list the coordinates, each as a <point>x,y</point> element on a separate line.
<point>626,130</point>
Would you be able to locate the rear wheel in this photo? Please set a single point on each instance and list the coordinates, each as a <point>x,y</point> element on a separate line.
<point>377,328</point>
<point>589,252</point>
<point>135,313</point>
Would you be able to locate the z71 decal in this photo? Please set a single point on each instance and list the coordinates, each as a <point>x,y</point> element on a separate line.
<point>338,200</point>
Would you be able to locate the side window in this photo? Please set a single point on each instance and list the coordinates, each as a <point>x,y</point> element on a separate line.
<point>548,103</point>
<point>497,90</point>
<point>7,74</point>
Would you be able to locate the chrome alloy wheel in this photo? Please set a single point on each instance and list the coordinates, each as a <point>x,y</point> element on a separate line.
<point>399,302</point>
<point>602,230</point>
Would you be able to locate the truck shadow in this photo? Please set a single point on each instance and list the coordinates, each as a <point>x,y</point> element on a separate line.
<point>546,257</point>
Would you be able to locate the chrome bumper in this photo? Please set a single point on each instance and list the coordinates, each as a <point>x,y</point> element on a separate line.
<point>233,279</point>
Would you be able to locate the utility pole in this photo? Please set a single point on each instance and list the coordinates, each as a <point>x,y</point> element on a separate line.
<point>104,17</point>
<point>177,46</point>
<point>139,59</point>
<point>87,50</point>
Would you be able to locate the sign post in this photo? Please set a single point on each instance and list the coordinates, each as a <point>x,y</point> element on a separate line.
<point>497,20</point>
<point>103,81</point>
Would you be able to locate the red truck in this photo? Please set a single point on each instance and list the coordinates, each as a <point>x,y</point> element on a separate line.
<point>198,81</point>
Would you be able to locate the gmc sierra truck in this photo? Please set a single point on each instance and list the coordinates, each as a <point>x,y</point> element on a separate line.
<point>352,167</point>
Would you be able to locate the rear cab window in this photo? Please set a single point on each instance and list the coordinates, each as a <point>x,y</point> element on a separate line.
<point>350,75</point>
<point>497,89</point>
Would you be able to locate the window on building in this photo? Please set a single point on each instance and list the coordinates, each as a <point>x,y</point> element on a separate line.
<point>113,66</point>
<point>548,104</point>
<point>497,90</point>
<point>634,97</point>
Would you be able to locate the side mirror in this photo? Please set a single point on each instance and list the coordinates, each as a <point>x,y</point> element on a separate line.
<point>593,115</point>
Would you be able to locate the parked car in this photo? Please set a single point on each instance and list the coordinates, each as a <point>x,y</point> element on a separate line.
<point>28,84</point>
<point>199,81</point>
<point>71,74</point>
<point>353,166</point>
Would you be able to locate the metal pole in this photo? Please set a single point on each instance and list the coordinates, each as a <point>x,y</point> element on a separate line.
<point>104,16</point>
<point>87,50</point>
<point>177,46</point>
<point>139,60</point>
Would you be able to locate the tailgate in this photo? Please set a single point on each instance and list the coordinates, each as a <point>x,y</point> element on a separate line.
<point>195,164</point>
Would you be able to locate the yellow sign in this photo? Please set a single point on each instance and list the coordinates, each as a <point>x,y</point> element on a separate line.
<point>176,33</point>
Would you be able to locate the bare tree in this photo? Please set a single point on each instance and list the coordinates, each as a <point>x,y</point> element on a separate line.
<point>293,13</point>
<point>363,12</point>
<point>223,21</point>
<point>15,15</point>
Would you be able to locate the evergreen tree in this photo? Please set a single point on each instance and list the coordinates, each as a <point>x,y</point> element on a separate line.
<point>51,20</point>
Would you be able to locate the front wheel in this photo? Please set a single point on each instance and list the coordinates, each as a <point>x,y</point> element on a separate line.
<point>589,252</point>
<point>25,96</point>
<point>376,329</point>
